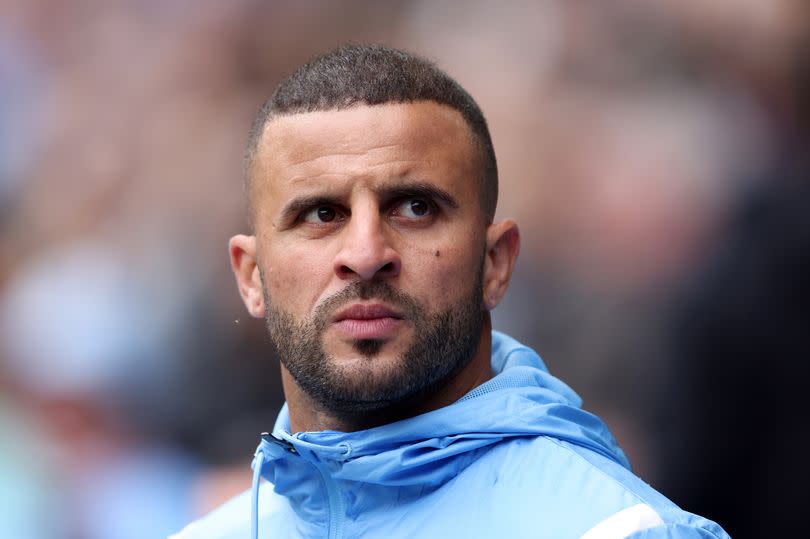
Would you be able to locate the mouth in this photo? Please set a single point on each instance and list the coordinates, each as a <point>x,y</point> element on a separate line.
<point>368,321</point>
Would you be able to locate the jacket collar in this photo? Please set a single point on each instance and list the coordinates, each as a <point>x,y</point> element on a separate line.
<point>425,451</point>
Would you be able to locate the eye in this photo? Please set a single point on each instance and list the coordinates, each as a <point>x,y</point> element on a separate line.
<point>414,208</point>
<point>321,214</point>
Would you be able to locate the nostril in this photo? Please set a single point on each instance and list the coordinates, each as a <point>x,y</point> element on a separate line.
<point>366,263</point>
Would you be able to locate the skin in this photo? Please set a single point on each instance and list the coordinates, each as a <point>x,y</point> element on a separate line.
<point>386,192</point>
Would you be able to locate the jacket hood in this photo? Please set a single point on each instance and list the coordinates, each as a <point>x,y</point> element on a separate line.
<point>521,400</point>
<point>514,458</point>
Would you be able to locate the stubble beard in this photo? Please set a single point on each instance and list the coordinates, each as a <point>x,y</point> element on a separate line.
<point>442,345</point>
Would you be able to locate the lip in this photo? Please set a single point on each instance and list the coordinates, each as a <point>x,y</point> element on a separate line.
<point>367,321</point>
<point>364,311</point>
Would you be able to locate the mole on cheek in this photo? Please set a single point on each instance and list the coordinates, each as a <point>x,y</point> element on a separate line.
<point>436,253</point>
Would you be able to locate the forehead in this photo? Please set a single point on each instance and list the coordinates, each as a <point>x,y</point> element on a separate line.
<point>362,139</point>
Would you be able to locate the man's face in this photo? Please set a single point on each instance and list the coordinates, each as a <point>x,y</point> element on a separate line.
<point>370,244</point>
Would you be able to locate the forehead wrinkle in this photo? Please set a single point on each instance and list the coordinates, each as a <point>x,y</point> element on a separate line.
<point>293,142</point>
<point>292,148</point>
<point>356,171</point>
<point>304,179</point>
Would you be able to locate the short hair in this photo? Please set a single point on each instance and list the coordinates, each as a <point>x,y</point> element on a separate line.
<point>374,75</point>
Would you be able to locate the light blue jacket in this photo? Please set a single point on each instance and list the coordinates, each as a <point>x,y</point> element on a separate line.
<point>516,457</point>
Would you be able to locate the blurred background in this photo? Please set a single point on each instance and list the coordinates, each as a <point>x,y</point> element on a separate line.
<point>654,153</point>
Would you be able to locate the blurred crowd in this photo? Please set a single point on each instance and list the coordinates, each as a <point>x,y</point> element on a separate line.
<point>655,155</point>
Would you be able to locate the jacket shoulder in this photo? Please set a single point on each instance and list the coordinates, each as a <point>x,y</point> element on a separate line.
<point>641,512</point>
<point>578,492</point>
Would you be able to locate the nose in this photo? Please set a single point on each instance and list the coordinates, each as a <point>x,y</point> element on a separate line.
<point>366,252</point>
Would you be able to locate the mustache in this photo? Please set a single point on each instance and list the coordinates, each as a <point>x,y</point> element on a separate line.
<point>366,290</point>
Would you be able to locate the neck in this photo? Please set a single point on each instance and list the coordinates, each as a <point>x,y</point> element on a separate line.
<point>307,415</point>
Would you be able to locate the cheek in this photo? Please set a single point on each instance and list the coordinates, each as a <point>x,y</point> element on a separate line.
<point>448,276</point>
<point>295,278</point>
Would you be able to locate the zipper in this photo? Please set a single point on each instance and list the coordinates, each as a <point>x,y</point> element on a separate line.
<point>333,498</point>
<point>336,506</point>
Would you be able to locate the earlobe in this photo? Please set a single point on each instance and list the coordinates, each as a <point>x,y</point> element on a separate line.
<point>244,264</point>
<point>503,246</point>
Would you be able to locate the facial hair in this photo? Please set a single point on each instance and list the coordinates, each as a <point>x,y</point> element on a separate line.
<point>443,343</point>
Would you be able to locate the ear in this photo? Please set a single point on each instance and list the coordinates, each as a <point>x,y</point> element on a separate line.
<point>503,245</point>
<point>246,270</point>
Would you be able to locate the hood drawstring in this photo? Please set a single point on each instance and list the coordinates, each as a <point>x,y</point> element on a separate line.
<point>258,463</point>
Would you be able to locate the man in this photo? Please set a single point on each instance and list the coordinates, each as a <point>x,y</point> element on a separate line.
<point>375,261</point>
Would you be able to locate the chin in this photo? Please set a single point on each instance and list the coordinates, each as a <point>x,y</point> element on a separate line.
<point>384,350</point>
<point>368,348</point>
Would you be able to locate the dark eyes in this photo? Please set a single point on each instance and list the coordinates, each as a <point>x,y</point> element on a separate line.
<point>320,215</point>
<point>408,208</point>
<point>326,215</point>
<point>413,208</point>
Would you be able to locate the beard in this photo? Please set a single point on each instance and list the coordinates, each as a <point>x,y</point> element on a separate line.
<point>442,344</point>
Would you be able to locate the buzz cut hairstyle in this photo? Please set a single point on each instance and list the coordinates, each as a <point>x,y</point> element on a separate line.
<point>354,75</point>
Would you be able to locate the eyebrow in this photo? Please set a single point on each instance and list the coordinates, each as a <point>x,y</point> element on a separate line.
<point>299,204</point>
<point>419,190</point>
